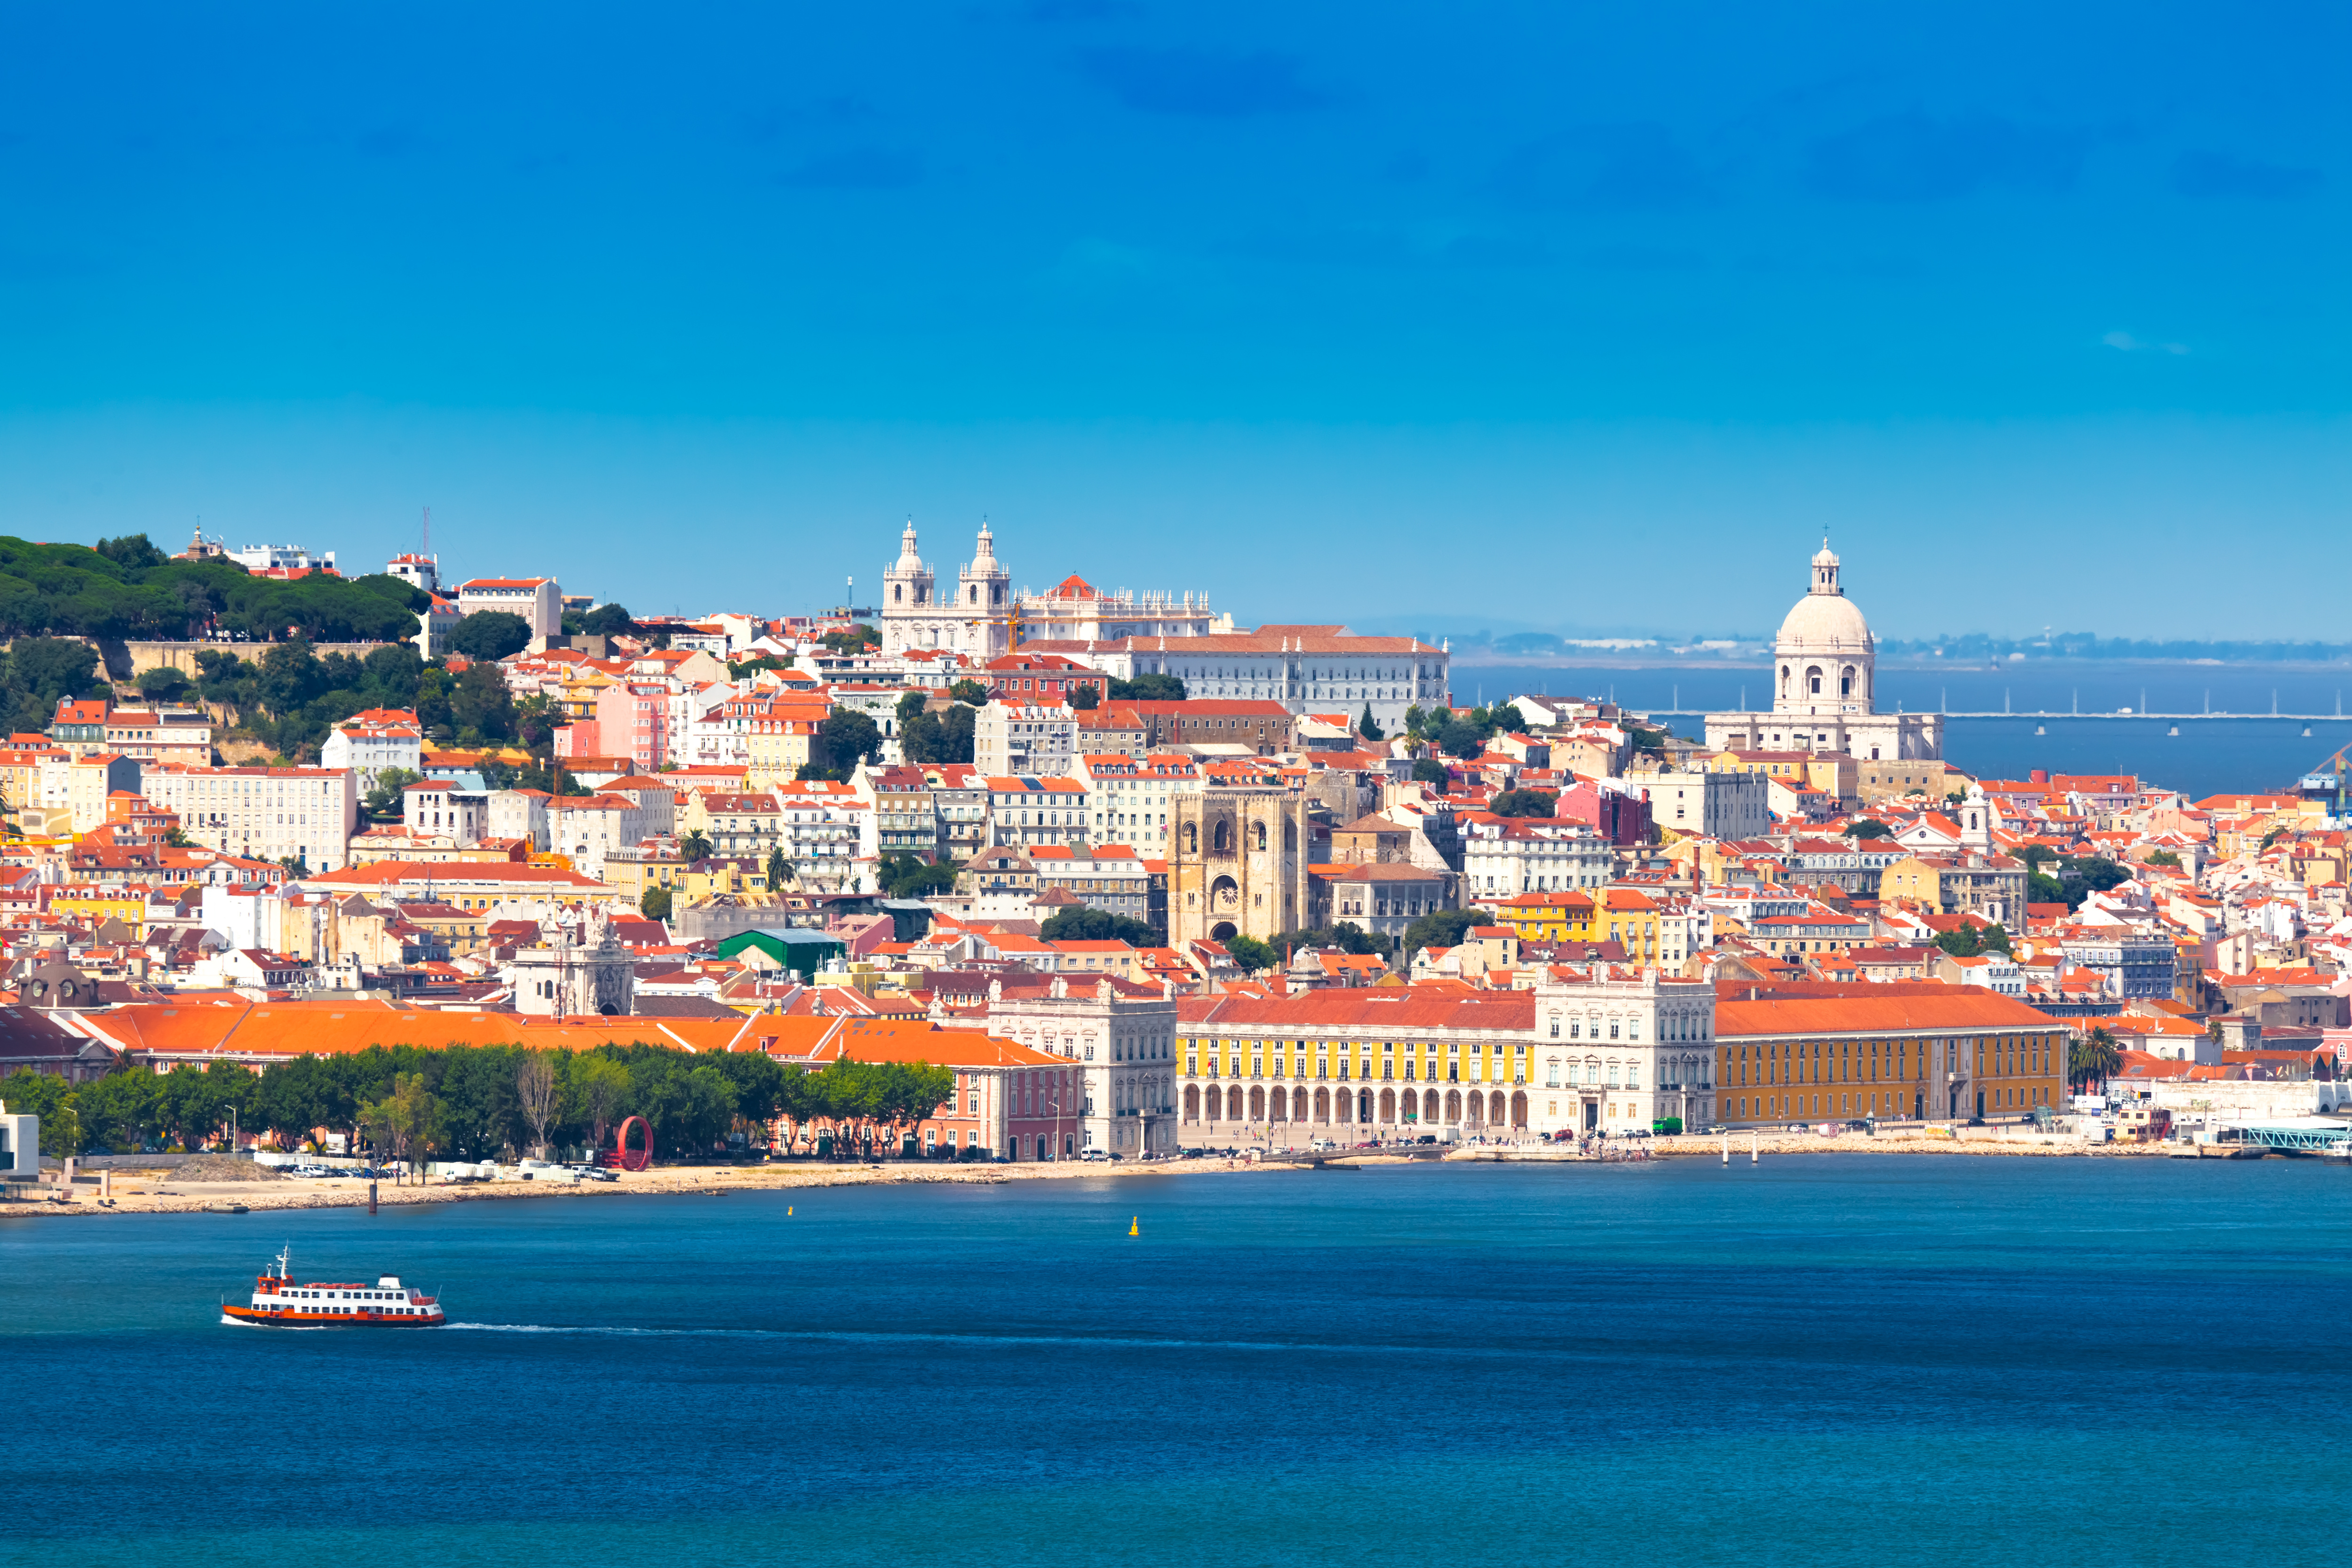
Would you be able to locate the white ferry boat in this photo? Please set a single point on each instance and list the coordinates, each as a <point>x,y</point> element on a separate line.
<point>280,1301</point>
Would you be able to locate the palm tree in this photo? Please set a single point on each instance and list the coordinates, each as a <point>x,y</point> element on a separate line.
<point>694,847</point>
<point>780,870</point>
<point>2094,1058</point>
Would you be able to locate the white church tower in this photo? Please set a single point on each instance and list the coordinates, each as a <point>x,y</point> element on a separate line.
<point>910,618</point>
<point>985,600</point>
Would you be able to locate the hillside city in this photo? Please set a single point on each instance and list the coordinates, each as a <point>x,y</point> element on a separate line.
<point>1141,879</point>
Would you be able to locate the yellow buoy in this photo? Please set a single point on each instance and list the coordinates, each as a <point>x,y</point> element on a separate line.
<point>1135,1225</point>
<point>788,1211</point>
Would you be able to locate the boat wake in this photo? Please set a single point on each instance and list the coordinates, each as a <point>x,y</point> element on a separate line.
<point>874,1337</point>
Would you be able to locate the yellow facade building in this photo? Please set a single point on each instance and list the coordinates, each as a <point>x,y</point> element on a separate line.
<point>1954,1052</point>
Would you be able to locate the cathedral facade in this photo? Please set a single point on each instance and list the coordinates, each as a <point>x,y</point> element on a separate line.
<point>973,616</point>
<point>1824,675</point>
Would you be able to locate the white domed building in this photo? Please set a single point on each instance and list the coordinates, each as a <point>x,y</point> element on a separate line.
<point>1824,678</point>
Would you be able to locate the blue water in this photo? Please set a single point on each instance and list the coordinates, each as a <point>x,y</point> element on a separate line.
<point>2207,757</point>
<point>1825,1360</point>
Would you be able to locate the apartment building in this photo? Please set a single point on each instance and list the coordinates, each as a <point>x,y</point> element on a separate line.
<point>1014,735</point>
<point>374,742</point>
<point>538,600</point>
<point>264,813</point>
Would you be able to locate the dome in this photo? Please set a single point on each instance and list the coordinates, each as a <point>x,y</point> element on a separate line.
<point>1825,556</point>
<point>1824,622</point>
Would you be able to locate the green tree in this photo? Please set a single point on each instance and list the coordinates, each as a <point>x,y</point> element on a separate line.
<point>846,739</point>
<point>597,1090</point>
<point>537,717</point>
<point>1085,700</point>
<point>118,1112</point>
<point>54,669</point>
<point>851,1095</point>
<point>969,692</point>
<point>1463,739</point>
<point>482,705</point>
<point>539,1095</point>
<point>1439,928</point>
<point>937,737</point>
<point>1863,827</point>
<point>2163,857</point>
<point>779,869</point>
<point>694,845</point>
<point>386,801</point>
<point>1505,718</point>
<point>1253,956</point>
<point>1368,727</point>
<point>1523,803</point>
<point>608,621</point>
<point>164,684</point>
<point>2084,875</point>
<point>655,903</point>
<point>49,1097</point>
<point>2093,1057</point>
<point>133,551</point>
<point>490,634</point>
<point>1148,688</point>
<point>1429,770</point>
<point>407,1122</point>
<point>1079,922</point>
<point>1971,940</point>
<point>900,875</point>
<point>291,675</point>
<point>911,1094</point>
<point>292,1101</point>
<point>909,707</point>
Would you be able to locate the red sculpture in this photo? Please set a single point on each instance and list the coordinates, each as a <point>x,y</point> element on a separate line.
<point>621,1157</point>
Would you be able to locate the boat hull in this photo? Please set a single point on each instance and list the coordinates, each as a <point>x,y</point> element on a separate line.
<point>324,1320</point>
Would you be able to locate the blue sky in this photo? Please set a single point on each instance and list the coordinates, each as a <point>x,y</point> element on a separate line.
<point>1550,316</point>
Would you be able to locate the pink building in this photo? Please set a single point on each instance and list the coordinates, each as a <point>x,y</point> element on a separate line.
<point>632,722</point>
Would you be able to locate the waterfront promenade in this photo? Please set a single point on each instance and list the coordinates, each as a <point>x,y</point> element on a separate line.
<point>140,1192</point>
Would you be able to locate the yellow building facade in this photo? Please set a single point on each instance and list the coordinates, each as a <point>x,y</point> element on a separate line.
<point>1907,1057</point>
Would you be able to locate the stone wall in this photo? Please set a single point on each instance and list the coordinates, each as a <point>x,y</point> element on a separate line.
<point>129,660</point>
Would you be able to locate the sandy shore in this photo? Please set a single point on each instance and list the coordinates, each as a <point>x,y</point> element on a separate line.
<point>156,1193</point>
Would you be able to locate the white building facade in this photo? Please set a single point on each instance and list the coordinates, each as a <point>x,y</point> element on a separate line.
<point>537,600</point>
<point>1501,858</point>
<point>1714,804</point>
<point>1307,669</point>
<point>973,616</point>
<point>1125,1051</point>
<point>263,814</point>
<point>1621,1051</point>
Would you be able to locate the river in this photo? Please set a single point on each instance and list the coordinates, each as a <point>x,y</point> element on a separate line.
<point>1826,1360</point>
<point>2207,756</point>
